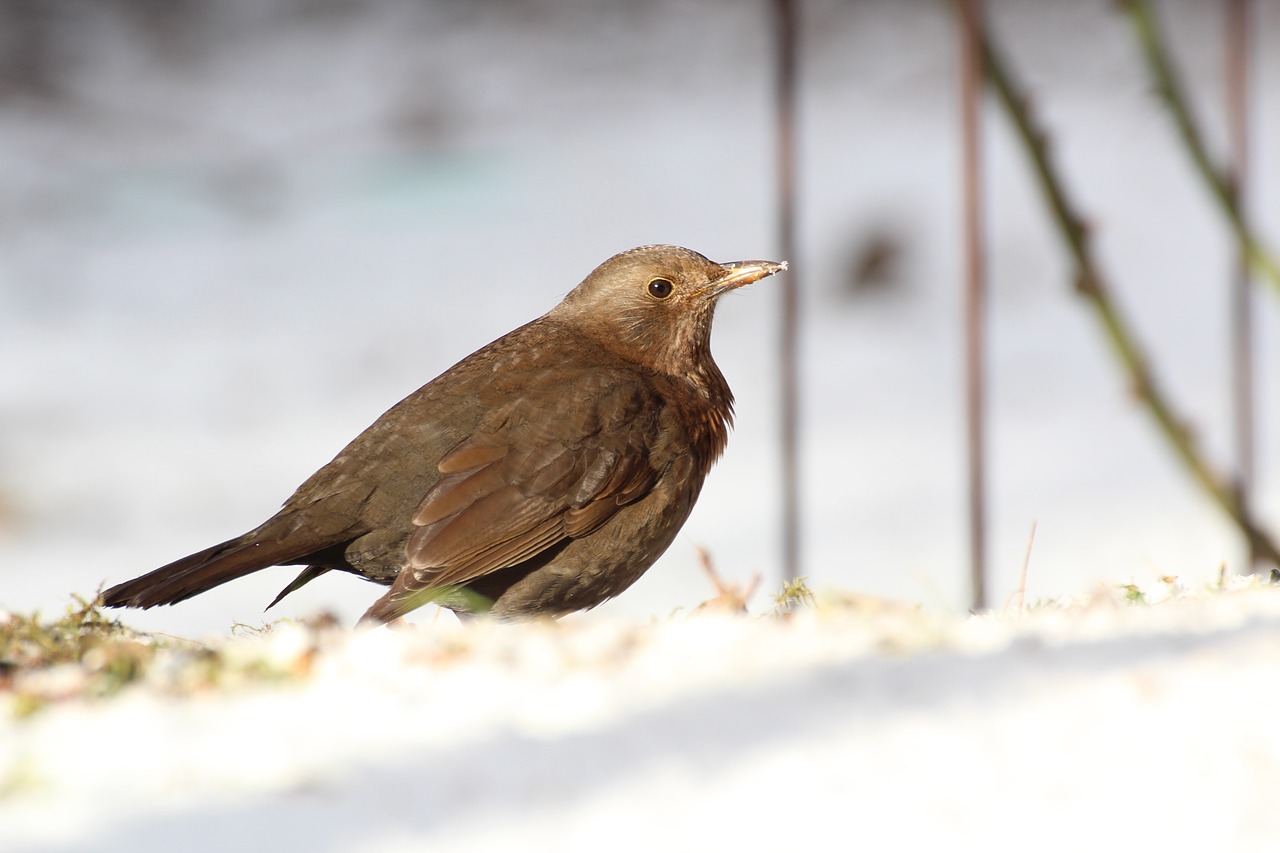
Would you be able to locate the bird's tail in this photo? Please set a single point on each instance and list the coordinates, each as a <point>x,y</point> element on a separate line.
<point>200,572</point>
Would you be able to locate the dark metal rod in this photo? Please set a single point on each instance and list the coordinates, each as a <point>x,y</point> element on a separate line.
<point>785,33</point>
<point>971,82</point>
<point>1236,47</point>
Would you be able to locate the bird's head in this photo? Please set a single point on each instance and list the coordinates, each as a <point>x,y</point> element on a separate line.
<point>654,304</point>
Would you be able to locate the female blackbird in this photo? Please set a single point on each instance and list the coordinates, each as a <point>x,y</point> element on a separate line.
<point>541,474</point>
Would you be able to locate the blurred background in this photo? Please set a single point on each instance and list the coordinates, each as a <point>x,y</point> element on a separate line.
<point>232,234</point>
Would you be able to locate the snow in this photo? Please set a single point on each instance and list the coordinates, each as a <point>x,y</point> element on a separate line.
<point>864,724</point>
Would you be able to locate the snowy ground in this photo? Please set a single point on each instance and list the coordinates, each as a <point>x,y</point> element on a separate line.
<point>856,725</point>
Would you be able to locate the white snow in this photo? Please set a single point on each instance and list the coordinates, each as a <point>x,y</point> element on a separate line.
<point>1095,726</point>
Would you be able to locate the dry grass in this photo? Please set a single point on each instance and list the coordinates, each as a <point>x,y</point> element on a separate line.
<point>87,654</point>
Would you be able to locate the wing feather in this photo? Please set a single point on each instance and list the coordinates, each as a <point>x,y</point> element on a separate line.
<point>521,483</point>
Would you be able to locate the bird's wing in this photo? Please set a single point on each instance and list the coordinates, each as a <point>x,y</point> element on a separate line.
<point>532,475</point>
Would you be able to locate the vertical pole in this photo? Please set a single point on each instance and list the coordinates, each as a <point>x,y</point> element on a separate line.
<point>975,294</point>
<point>1236,50</point>
<point>785,33</point>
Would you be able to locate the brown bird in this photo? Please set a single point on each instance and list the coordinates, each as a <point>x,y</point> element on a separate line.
<point>542,474</point>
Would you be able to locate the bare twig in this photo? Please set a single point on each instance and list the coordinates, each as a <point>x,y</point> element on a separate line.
<point>1026,564</point>
<point>729,596</point>
<point>1091,283</point>
<point>1217,180</point>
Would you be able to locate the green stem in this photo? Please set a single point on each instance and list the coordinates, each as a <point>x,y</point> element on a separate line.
<point>1170,89</point>
<point>1091,284</point>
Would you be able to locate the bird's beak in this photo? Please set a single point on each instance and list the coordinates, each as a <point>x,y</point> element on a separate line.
<point>739,273</point>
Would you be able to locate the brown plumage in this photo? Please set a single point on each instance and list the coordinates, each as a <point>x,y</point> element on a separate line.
<point>542,474</point>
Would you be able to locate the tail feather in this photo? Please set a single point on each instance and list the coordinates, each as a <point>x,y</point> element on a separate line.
<point>307,575</point>
<point>202,571</point>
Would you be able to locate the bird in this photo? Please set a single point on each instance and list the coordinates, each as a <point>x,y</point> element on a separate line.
<point>541,475</point>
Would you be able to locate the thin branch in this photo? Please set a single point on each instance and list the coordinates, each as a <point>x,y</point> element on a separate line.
<point>1218,181</point>
<point>1092,285</point>
<point>1026,564</point>
<point>729,596</point>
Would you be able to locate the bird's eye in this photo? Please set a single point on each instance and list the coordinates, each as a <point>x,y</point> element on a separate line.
<point>660,288</point>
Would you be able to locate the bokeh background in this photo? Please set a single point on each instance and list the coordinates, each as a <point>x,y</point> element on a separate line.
<point>233,233</point>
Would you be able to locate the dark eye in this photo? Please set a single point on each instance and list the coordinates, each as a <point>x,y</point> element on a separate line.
<point>660,288</point>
